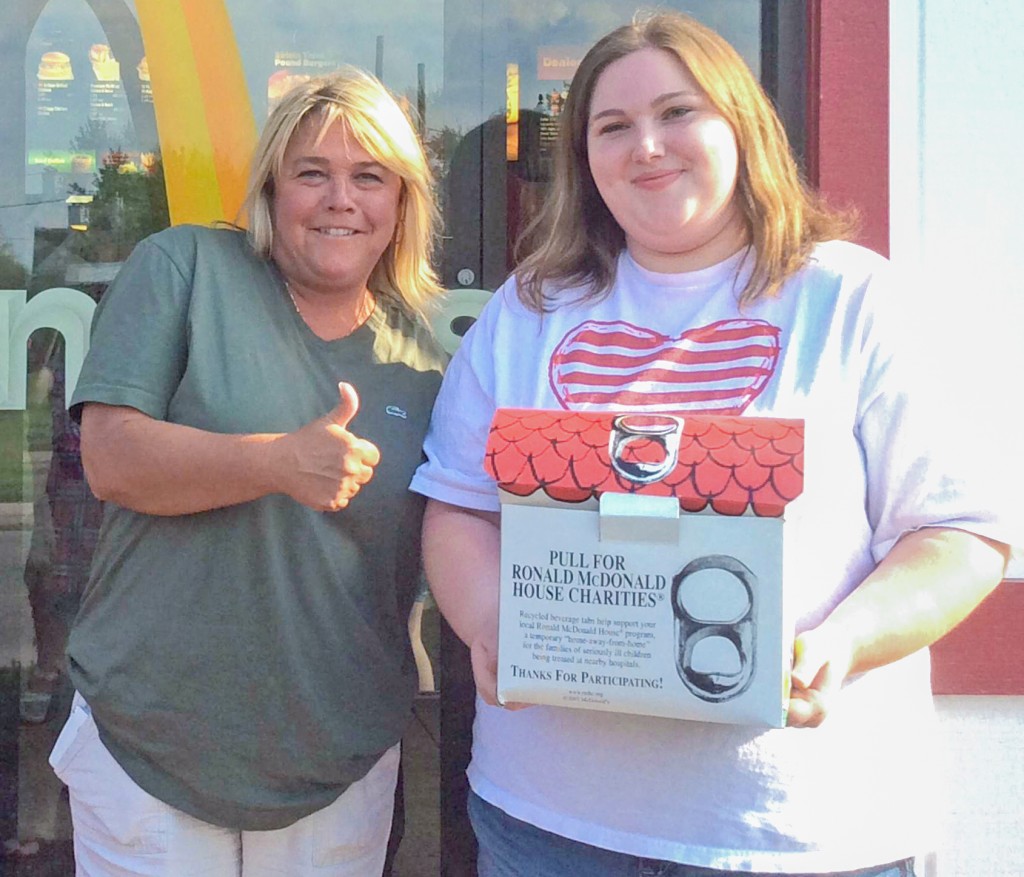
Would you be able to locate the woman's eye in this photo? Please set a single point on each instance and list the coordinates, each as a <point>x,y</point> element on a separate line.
<point>677,112</point>
<point>612,127</point>
<point>311,174</point>
<point>369,177</point>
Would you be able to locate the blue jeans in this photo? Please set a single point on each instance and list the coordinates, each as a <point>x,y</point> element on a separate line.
<point>511,848</point>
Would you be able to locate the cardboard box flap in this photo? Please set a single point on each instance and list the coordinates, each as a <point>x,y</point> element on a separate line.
<point>731,464</point>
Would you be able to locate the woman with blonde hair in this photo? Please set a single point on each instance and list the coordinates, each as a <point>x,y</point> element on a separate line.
<point>253,406</point>
<point>677,219</point>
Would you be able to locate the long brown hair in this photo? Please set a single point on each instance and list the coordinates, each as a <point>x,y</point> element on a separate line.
<point>575,241</point>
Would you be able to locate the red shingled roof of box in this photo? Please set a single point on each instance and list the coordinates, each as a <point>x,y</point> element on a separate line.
<point>731,464</point>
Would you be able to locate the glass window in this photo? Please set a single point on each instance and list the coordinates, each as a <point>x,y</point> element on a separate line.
<point>508,69</point>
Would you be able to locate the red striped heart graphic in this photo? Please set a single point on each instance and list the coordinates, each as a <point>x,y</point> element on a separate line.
<point>715,369</point>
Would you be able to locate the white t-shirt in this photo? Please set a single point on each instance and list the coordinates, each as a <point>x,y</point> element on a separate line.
<point>880,460</point>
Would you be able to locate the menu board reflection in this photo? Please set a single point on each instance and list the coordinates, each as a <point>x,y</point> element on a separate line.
<point>55,66</point>
<point>54,77</point>
<point>291,68</point>
<point>107,100</point>
<point>105,66</point>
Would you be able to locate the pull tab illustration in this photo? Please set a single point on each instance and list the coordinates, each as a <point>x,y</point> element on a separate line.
<point>724,667</point>
<point>644,448</point>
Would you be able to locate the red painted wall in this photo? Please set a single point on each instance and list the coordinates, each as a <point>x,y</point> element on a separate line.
<point>985,654</point>
<point>848,110</point>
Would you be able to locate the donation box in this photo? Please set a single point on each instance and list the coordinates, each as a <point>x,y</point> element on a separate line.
<point>641,562</point>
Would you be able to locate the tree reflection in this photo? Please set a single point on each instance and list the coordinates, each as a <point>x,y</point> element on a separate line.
<point>129,204</point>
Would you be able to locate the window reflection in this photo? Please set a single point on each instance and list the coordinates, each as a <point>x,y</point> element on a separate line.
<point>81,183</point>
<point>398,40</point>
<point>499,165</point>
<point>86,93</point>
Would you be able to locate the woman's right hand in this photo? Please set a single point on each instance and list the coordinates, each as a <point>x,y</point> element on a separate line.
<point>323,465</point>
<point>483,655</point>
<point>461,548</point>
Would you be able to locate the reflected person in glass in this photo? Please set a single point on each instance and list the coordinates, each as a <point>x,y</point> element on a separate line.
<point>253,407</point>
<point>677,208</point>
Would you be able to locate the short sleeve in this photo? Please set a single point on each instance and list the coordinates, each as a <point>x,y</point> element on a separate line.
<point>933,458</point>
<point>459,427</point>
<point>139,341</point>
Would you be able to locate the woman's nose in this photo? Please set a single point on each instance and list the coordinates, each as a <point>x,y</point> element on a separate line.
<point>649,144</point>
<point>338,195</point>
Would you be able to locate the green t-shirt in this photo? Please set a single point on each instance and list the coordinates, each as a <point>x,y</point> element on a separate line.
<point>247,664</point>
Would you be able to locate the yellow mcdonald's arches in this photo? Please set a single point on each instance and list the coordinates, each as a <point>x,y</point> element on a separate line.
<point>203,112</point>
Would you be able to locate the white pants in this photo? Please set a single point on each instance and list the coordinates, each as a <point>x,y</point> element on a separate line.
<point>123,831</point>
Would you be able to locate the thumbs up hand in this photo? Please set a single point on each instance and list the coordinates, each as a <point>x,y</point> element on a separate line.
<point>347,406</point>
<point>324,464</point>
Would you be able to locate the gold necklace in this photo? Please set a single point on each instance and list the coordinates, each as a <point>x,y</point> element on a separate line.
<point>291,295</point>
<point>363,313</point>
